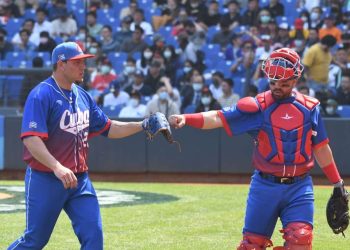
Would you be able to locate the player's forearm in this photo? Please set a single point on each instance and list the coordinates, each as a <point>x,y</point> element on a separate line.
<point>204,120</point>
<point>39,151</point>
<point>325,160</point>
<point>124,129</point>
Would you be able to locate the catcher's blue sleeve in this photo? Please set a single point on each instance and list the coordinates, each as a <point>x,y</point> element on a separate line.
<point>237,122</point>
<point>320,134</point>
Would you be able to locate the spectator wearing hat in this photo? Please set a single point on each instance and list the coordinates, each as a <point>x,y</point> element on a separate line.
<point>249,16</point>
<point>134,108</point>
<point>138,20</point>
<point>124,33</point>
<point>103,77</point>
<point>299,32</point>
<point>330,28</point>
<point>64,26</point>
<point>41,23</point>
<point>108,44</point>
<point>229,97</point>
<point>331,108</point>
<point>265,46</point>
<point>116,96</point>
<point>233,16</point>
<point>316,62</point>
<point>216,84</point>
<point>207,102</point>
<point>223,36</point>
<point>136,43</point>
<point>47,44</point>
<point>162,102</point>
<point>275,8</point>
<point>283,35</point>
<point>5,46</point>
<point>139,85</point>
<point>154,74</point>
<point>343,92</point>
<point>93,27</point>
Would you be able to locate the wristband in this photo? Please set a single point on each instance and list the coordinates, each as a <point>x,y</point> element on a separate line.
<point>332,173</point>
<point>194,120</point>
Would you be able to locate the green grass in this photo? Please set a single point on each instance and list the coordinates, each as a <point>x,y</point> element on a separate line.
<point>204,217</point>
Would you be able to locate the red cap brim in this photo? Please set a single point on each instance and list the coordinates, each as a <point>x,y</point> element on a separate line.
<point>81,56</point>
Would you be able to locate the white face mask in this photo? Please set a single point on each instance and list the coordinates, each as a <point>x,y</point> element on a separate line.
<point>206,100</point>
<point>197,86</point>
<point>304,18</point>
<point>81,36</point>
<point>93,50</point>
<point>187,69</point>
<point>147,54</point>
<point>133,102</point>
<point>314,16</point>
<point>298,43</point>
<point>167,54</point>
<point>105,69</point>
<point>330,110</point>
<point>129,69</point>
<point>43,40</point>
<point>163,95</point>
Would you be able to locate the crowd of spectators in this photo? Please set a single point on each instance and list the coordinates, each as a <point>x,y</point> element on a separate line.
<point>181,56</point>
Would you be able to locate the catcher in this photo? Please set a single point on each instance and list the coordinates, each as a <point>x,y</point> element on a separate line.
<point>288,134</point>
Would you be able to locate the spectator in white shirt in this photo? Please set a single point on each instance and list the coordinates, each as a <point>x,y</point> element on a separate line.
<point>133,109</point>
<point>41,23</point>
<point>64,26</point>
<point>215,87</point>
<point>139,20</point>
<point>229,97</point>
<point>28,25</point>
<point>116,96</point>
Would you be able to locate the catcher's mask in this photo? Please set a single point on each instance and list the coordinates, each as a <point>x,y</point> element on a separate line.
<point>282,64</point>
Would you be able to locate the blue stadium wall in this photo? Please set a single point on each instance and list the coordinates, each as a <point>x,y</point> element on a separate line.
<point>202,151</point>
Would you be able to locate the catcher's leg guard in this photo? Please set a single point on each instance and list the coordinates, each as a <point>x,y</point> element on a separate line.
<point>254,242</point>
<point>297,236</point>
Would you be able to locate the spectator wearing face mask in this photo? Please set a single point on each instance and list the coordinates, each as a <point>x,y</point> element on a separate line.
<point>184,74</point>
<point>162,103</point>
<point>171,63</point>
<point>331,108</point>
<point>316,20</point>
<point>47,44</point>
<point>192,93</point>
<point>207,102</point>
<point>133,108</point>
<point>215,86</point>
<point>146,59</point>
<point>116,96</point>
<point>103,77</point>
<point>264,18</point>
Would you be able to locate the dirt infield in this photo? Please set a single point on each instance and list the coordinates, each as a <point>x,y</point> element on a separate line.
<point>165,177</point>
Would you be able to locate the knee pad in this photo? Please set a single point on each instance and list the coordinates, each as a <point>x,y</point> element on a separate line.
<point>254,242</point>
<point>297,234</point>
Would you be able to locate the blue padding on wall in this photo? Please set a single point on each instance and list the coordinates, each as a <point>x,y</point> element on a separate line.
<point>2,119</point>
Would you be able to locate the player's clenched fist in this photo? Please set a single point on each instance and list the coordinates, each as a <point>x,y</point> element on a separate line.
<point>177,121</point>
<point>66,175</point>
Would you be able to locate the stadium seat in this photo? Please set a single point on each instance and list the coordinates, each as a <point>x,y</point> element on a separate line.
<point>344,111</point>
<point>113,111</point>
<point>212,30</point>
<point>145,99</point>
<point>13,26</point>
<point>12,89</point>
<point>80,17</point>
<point>29,13</point>
<point>224,66</point>
<point>190,109</point>
<point>117,57</point>
<point>240,86</point>
<point>165,31</point>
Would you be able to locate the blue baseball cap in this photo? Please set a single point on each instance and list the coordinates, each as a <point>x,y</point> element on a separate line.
<point>68,51</point>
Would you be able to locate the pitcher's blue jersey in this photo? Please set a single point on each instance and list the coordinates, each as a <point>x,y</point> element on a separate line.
<point>64,127</point>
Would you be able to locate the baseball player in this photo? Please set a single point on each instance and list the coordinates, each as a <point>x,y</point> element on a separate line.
<point>288,134</point>
<point>59,117</point>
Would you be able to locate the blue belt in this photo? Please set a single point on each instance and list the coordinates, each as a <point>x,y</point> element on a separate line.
<point>283,180</point>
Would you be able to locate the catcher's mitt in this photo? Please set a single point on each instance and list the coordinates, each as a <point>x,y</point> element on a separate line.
<point>156,123</point>
<point>338,209</point>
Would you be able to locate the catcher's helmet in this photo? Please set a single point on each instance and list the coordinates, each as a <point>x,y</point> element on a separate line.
<point>282,64</point>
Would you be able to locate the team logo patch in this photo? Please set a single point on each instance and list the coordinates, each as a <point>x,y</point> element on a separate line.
<point>12,198</point>
<point>33,124</point>
<point>61,57</point>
